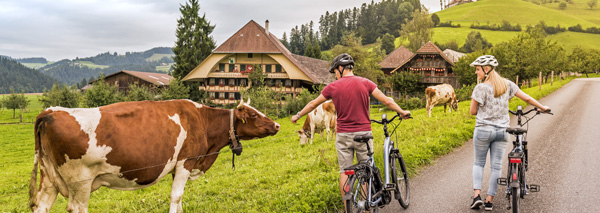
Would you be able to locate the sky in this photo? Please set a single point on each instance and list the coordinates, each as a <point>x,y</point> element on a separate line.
<point>66,29</point>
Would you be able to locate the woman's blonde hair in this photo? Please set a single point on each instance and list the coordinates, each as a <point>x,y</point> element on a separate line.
<point>497,82</point>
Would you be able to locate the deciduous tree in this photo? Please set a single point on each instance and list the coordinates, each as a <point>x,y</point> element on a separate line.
<point>418,30</point>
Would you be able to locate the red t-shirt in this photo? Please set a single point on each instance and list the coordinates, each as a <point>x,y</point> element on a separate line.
<point>350,96</point>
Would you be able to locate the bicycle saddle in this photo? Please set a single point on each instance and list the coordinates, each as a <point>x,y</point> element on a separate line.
<point>364,138</point>
<point>516,131</point>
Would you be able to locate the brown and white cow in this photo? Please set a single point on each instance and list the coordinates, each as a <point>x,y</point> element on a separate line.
<point>440,94</point>
<point>323,118</point>
<point>132,145</point>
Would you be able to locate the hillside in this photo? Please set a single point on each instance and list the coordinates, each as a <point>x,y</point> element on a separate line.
<point>74,71</point>
<point>523,13</point>
<point>21,78</point>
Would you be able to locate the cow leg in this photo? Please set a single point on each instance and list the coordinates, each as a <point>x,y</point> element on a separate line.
<point>445,105</point>
<point>79,195</point>
<point>46,195</point>
<point>178,187</point>
<point>312,132</point>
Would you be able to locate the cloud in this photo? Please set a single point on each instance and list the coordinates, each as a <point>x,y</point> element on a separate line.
<point>73,28</point>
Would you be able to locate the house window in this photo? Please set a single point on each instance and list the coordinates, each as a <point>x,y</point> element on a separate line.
<point>277,83</point>
<point>231,82</point>
<point>212,95</point>
<point>222,67</point>
<point>212,81</point>
<point>268,68</point>
<point>288,83</point>
<point>222,95</point>
<point>221,82</point>
<point>250,55</point>
<point>243,82</point>
<point>231,67</point>
<point>243,67</point>
<point>231,96</point>
<point>277,68</point>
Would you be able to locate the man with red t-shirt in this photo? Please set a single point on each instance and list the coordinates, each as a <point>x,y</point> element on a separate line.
<point>350,96</point>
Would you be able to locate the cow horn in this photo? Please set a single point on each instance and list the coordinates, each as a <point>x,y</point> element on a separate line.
<point>241,103</point>
<point>248,101</point>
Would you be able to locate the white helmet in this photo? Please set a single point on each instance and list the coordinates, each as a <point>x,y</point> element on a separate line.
<point>485,60</point>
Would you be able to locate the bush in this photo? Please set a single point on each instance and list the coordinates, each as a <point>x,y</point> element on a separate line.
<point>562,5</point>
<point>60,95</point>
<point>412,103</point>
<point>465,92</point>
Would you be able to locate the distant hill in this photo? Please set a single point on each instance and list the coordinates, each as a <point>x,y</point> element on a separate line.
<point>74,71</point>
<point>523,13</point>
<point>21,78</point>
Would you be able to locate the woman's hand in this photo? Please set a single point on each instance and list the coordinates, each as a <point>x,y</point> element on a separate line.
<point>544,109</point>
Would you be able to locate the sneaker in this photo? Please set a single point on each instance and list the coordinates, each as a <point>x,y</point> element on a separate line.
<point>477,202</point>
<point>489,206</point>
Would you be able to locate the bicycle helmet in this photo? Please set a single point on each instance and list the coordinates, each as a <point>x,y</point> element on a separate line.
<point>343,59</point>
<point>485,60</point>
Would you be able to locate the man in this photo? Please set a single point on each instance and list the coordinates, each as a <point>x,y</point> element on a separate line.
<point>350,96</point>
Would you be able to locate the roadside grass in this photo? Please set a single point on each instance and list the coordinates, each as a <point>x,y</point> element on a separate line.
<point>273,174</point>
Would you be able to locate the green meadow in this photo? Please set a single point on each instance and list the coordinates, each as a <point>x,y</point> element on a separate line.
<point>273,174</point>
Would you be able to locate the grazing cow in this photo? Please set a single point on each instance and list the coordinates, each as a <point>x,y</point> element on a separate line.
<point>440,94</point>
<point>132,145</point>
<point>323,118</point>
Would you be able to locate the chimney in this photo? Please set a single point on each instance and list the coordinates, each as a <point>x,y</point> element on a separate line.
<point>267,27</point>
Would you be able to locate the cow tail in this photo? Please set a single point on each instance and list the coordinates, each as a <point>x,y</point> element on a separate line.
<point>36,158</point>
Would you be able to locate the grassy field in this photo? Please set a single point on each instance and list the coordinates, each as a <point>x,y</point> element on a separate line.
<point>579,9</point>
<point>91,64</point>
<point>515,12</point>
<point>274,174</point>
<point>164,68</point>
<point>156,56</point>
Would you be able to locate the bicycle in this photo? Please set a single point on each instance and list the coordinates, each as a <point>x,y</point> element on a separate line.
<point>364,188</point>
<point>515,181</point>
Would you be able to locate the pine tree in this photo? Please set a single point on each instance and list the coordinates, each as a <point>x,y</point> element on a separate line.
<point>194,42</point>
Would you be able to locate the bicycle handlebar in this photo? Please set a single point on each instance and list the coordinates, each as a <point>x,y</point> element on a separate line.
<point>521,113</point>
<point>382,121</point>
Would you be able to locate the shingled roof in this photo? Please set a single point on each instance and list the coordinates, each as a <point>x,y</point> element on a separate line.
<point>430,48</point>
<point>397,57</point>
<point>154,78</point>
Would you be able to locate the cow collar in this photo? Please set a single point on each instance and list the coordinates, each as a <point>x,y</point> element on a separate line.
<point>234,141</point>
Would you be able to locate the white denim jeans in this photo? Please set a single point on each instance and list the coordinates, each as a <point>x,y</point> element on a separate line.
<point>495,140</point>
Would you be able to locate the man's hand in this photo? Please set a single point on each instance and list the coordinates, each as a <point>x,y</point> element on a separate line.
<point>405,115</point>
<point>295,118</point>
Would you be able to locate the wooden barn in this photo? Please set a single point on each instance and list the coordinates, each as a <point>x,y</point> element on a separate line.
<point>429,61</point>
<point>124,78</point>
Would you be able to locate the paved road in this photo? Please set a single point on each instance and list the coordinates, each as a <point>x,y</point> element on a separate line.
<point>564,152</point>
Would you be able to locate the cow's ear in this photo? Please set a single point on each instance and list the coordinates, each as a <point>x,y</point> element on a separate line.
<point>300,131</point>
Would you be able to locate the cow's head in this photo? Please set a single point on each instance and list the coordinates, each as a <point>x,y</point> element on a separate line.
<point>252,123</point>
<point>304,136</point>
<point>454,104</point>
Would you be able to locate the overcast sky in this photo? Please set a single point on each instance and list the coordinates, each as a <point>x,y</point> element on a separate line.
<point>65,29</point>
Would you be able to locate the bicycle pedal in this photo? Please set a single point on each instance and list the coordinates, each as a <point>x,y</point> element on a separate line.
<point>534,188</point>
<point>390,186</point>
<point>502,181</point>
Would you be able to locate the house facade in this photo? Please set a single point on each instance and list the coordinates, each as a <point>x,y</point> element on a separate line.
<point>429,61</point>
<point>224,73</point>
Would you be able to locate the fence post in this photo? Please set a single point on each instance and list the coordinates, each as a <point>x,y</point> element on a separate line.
<point>552,78</point>
<point>540,81</point>
<point>518,82</point>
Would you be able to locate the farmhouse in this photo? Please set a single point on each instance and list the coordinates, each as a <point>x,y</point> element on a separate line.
<point>224,73</point>
<point>124,78</point>
<point>429,61</point>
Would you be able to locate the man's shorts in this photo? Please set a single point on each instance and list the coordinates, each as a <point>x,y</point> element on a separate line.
<point>346,146</point>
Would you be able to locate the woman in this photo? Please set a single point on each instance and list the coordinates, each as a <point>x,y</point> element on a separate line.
<point>489,103</point>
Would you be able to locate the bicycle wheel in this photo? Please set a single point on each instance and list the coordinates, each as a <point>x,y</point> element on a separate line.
<point>516,201</point>
<point>400,178</point>
<point>357,187</point>
<point>522,181</point>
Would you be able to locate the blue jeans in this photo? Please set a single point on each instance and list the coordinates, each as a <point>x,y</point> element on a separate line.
<point>495,140</point>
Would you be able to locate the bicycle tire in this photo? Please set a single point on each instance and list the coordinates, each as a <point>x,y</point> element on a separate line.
<point>400,178</point>
<point>516,201</point>
<point>358,201</point>
<point>522,181</point>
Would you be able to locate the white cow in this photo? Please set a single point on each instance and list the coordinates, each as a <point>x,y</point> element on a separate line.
<point>323,118</point>
<point>440,94</point>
